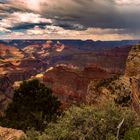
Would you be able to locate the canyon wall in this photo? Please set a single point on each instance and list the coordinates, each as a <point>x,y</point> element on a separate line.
<point>70,83</point>
<point>133,72</point>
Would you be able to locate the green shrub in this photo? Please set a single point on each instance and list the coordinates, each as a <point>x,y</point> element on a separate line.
<point>32,134</point>
<point>33,104</point>
<point>133,134</point>
<point>91,123</point>
<point>136,47</point>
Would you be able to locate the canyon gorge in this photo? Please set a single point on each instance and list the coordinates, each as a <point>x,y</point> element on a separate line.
<point>70,68</point>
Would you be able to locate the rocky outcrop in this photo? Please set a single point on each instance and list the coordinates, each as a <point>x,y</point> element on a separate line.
<point>24,69</point>
<point>11,134</point>
<point>10,52</point>
<point>133,62</point>
<point>135,81</point>
<point>21,75</point>
<point>133,73</point>
<point>70,84</point>
<point>70,81</point>
<point>125,90</point>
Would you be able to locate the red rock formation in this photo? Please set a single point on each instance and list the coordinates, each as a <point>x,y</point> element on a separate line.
<point>10,52</point>
<point>136,94</point>
<point>59,47</point>
<point>11,134</point>
<point>48,44</point>
<point>133,72</point>
<point>70,85</point>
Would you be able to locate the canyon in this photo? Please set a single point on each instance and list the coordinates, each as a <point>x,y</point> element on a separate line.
<point>89,75</point>
<point>68,67</point>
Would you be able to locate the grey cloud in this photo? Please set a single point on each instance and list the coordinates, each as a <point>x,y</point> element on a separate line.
<point>91,13</point>
<point>82,14</point>
<point>25,26</point>
<point>68,25</point>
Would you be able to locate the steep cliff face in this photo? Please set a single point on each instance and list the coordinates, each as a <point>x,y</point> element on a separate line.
<point>124,89</point>
<point>70,84</point>
<point>133,62</point>
<point>133,72</point>
<point>135,81</point>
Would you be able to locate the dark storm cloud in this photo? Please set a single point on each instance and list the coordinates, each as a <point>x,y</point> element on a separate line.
<point>68,24</point>
<point>79,14</point>
<point>89,13</point>
<point>94,13</point>
<point>109,15</point>
<point>25,26</point>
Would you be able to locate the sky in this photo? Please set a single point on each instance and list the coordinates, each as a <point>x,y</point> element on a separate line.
<point>70,19</point>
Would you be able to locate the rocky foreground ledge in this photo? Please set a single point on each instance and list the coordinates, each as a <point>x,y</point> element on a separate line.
<point>11,134</point>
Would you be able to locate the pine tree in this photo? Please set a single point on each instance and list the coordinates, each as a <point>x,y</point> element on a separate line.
<point>33,104</point>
